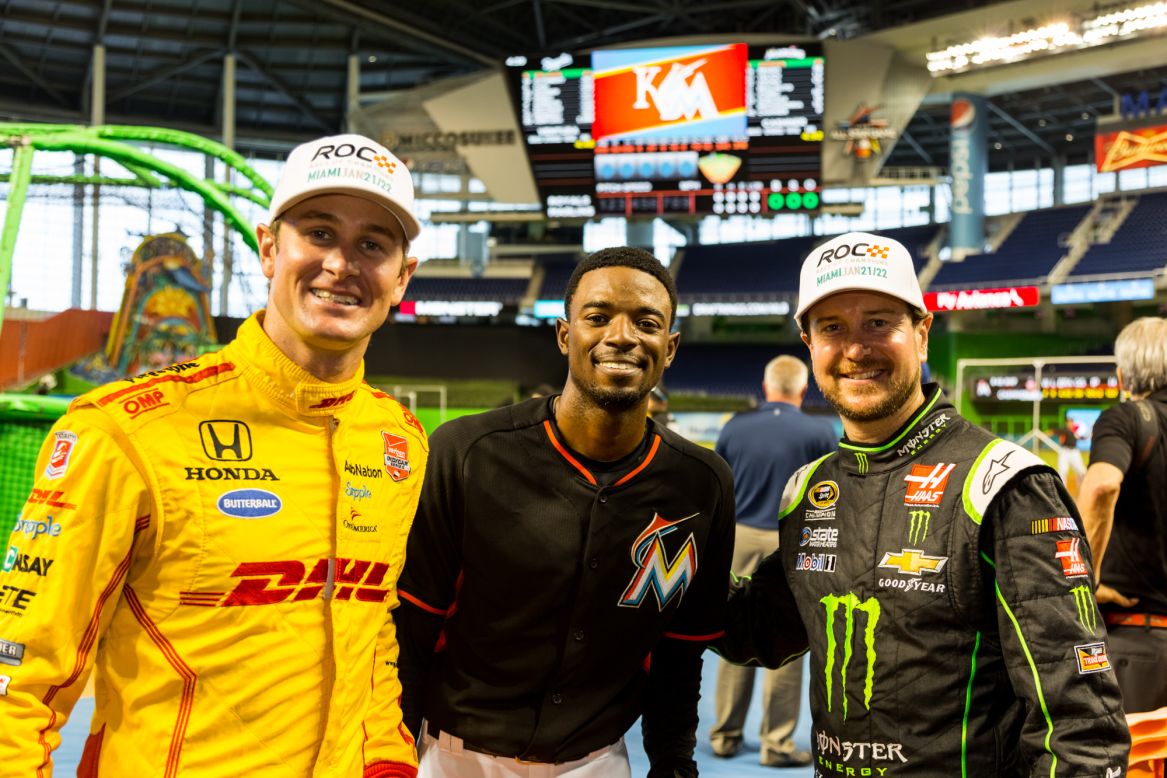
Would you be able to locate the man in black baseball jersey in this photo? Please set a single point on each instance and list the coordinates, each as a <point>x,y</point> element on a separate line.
<point>1124,505</point>
<point>938,574</point>
<point>569,559</point>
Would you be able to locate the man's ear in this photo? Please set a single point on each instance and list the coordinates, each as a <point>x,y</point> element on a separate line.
<point>562,329</point>
<point>267,250</point>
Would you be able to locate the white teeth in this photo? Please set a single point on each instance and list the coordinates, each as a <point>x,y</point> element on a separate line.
<point>864,376</point>
<point>343,299</point>
<point>618,365</point>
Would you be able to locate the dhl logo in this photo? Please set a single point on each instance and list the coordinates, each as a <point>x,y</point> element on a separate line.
<point>333,402</point>
<point>51,498</point>
<point>269,583</point>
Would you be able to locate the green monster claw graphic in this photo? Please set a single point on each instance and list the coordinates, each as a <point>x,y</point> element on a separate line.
<point>850,603</point>
<point>918,530</point>
<point>861,458</point>
<point>1087,613</point>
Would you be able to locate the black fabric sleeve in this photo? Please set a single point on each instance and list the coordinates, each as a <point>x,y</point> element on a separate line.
<point>1052,637</point>
<point>762,625</point>
<point>1113,438</point>
<point>428,584</point>
<point>670,708</point>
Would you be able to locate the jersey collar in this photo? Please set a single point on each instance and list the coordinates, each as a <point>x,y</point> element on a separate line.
<point>285,383</point>
<point>929,422</point>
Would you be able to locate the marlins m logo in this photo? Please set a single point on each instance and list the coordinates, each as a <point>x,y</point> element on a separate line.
<point>655,571</point>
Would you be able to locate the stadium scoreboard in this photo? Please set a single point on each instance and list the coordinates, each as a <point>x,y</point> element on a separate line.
<point>676,130</point>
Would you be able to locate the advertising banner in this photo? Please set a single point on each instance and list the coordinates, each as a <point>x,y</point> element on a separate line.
<point>968,165</point>
<point>983,299</point>
<point>1132,148</point>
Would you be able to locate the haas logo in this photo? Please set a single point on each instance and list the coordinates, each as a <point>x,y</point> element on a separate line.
<point>926,484</point>
<point>682,93</point>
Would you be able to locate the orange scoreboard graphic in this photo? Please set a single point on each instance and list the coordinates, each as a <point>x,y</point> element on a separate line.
<point>674,93</point>
<point>1126,149</point>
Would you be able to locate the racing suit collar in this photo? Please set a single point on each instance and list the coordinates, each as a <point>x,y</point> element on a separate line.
<point>285,383</point>
<point>928,422</point>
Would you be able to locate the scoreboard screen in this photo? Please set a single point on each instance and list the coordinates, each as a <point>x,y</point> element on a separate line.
<point>696,129</point>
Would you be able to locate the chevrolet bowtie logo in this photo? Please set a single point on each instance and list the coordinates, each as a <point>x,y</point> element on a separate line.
<point>912,561</point>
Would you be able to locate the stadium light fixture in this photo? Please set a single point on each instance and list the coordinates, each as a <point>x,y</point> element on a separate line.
<point>1052,38</point>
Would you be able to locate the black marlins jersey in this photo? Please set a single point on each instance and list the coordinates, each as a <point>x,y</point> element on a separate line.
<point>555,586</point>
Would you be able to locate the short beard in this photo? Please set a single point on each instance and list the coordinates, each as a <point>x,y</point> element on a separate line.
<point>615,400</point>
<point>900,393</point>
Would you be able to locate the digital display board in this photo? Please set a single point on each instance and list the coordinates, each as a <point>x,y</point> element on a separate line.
<point>698,129</point>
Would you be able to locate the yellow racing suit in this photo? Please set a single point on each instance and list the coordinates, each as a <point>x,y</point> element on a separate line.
<point>222,540</point>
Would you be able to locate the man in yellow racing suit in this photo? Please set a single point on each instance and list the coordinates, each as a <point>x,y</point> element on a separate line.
<point>222,539</point>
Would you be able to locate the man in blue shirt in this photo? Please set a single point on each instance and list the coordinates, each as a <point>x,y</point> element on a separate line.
<point>763,448</point>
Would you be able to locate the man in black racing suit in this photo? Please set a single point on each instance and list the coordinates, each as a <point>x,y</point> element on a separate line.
<point>938,575</point>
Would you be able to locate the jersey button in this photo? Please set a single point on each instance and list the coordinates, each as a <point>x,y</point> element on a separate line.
<point>593,563</point>
<point>557,698</point>
<point>579,635</point>
<point>603,498</point>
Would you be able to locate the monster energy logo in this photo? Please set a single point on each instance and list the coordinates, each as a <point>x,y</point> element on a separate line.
<point>1087,614</point>
<point>850,603</point>
<point>861,458</point>
<point>918,528</point>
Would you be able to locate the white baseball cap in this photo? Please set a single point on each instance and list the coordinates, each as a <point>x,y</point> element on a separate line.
<point>859,262</point>
<point>346,164</point>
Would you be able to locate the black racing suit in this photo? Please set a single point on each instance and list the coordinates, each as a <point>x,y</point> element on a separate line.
<point>945,590</point>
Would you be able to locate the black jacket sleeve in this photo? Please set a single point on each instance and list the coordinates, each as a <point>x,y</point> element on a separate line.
<point>1052,636</point>
<point>762,625</point>
<point>670,708</point>
<point>428,584</point>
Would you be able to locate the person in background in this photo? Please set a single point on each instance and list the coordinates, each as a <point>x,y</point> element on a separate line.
<point>1069,455</point>
<point>570,559</point>
<point>763,448</point>
<point>658,406</point>
<point>937,573</point>
<point>221,538</point>
<point>1123,500</point>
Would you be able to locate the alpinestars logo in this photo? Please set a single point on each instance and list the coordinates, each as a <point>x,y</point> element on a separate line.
<point>655,571</point>
<point>682,93</point>
<point>850,604</point>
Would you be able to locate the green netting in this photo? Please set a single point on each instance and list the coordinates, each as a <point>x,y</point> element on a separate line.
<point>24,422</point>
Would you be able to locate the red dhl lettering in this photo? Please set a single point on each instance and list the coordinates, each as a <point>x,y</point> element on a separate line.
<point>332,402</point>
<point>51,498</point>
<point>269,583</point>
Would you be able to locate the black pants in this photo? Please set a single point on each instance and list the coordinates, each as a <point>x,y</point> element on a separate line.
<point>1139,657</point>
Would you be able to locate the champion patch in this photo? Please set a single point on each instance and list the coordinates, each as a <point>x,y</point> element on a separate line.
<point>396,456</point>
<point>1069,553</point>
<point>824,494</point>
<point>1092,658</point>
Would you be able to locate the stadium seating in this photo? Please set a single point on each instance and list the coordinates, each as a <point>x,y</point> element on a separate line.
<point>1138,248</point>
<point>1027,255</point>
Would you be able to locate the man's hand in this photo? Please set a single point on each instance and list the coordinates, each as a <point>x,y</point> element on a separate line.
<point>1105,594</point>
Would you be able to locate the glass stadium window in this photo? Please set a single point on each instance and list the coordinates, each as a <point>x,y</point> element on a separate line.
<point>665,240</point>
<point>609,231</point>
<point>1077,183</point>
<point>997,193</point>
<point>915,205</point>
<point>1157,176</point>
<point>475,186</point>
<point>1135,178</point>
<point>1045,187</point>
<point>1103,183</point>
<point>943,203</point>
<point>1023,190</point>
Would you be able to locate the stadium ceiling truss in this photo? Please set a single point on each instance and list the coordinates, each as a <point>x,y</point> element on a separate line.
<point>300,62</point>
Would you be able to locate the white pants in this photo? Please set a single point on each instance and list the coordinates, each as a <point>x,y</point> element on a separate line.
<point>444,757</point>
<point>1070,459</point>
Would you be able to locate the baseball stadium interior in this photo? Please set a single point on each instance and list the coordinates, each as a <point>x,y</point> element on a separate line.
<point>1018,149</point>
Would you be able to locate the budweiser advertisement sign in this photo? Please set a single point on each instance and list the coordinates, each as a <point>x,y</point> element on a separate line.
<point>982,299</point>
<point>1126,149</point>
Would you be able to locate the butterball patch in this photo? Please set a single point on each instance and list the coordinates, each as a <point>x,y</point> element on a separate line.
<point>249,504</point>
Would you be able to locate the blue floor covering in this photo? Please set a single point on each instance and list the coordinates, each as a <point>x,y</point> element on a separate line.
<point>744,765</point>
